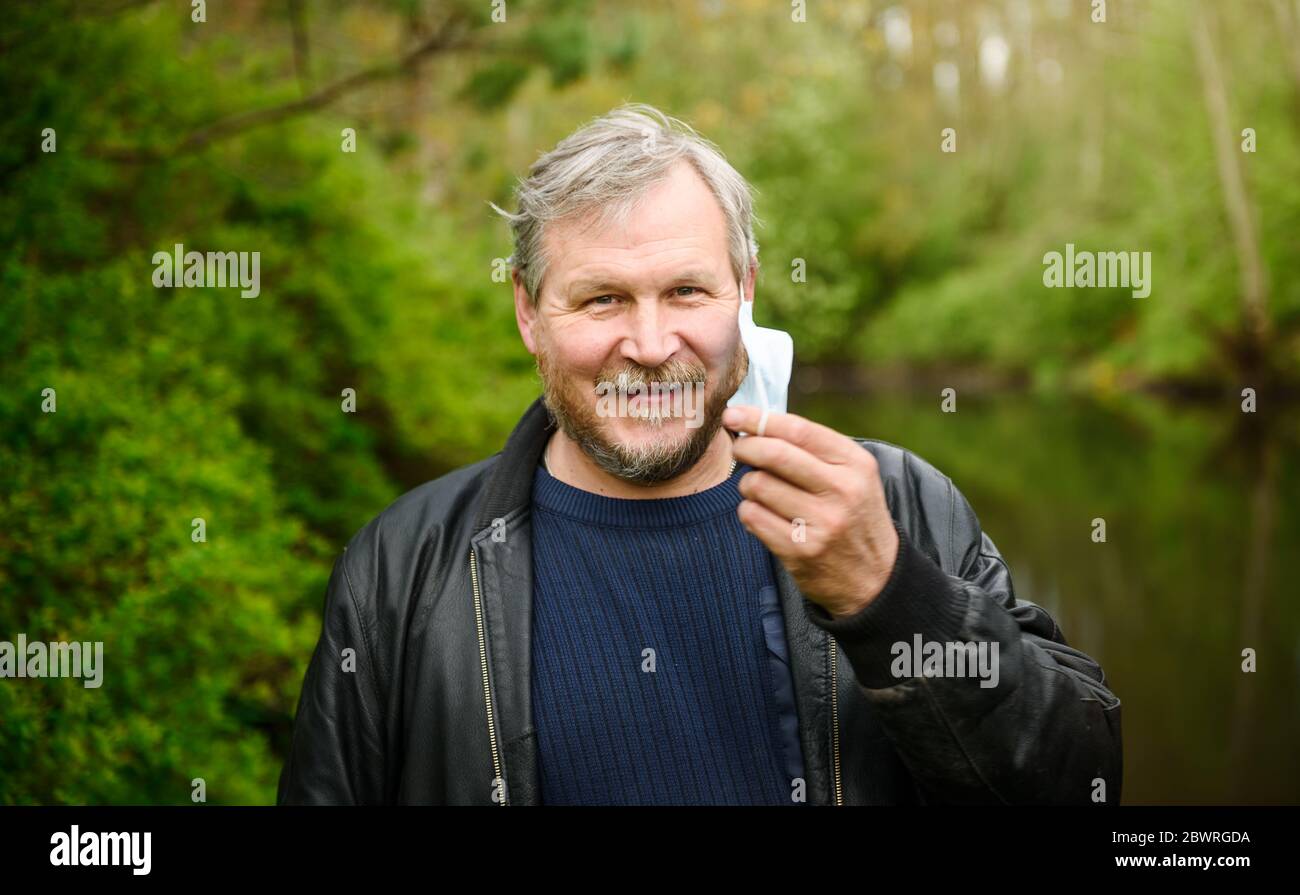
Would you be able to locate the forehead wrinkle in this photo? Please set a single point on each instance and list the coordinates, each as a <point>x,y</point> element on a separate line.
<point>694,264</point>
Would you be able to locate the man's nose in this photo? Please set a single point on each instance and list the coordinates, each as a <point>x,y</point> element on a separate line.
<point>652,339</point>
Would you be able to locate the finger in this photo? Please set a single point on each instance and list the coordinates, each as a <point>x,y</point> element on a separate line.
<point>775,533</point>
<point>790,462</point>
<point>778,495</point>
<point>821,441</point>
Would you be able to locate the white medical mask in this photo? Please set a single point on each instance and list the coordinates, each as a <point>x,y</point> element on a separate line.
<point>771,359</point>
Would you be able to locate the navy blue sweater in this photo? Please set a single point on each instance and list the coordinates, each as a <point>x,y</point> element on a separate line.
<point>660,671</point>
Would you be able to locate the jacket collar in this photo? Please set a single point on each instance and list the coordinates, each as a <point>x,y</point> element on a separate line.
<point>503,547</point>
<point>510,484</point>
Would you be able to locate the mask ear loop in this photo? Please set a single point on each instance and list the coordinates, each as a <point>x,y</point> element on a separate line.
<point>762,389</point>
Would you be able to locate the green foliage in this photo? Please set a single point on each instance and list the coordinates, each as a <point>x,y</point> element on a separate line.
<point>193,403</point>
<point>493,85</point>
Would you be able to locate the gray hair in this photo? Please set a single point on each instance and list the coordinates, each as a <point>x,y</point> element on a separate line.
<point>606,167</point>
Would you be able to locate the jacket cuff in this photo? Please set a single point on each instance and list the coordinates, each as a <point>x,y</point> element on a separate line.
<point>918,599</point>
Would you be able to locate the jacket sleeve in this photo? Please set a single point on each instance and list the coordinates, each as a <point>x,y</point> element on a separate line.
<point>1046,733</point>
<point>337,753</point>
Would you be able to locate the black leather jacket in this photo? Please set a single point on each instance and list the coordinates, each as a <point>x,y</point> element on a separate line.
<point>433,597</point>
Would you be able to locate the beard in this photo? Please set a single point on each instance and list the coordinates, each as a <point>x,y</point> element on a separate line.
<point>574,410</point>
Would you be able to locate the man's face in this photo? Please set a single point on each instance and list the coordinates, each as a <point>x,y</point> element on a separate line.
<point>635,331</point>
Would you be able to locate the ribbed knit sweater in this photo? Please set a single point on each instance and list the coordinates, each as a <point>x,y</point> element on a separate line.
<point>660,672</point>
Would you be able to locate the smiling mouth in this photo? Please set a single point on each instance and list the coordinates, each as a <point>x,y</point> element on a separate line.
<point>653,394</point>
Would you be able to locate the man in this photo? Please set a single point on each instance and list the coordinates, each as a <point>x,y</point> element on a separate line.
<point>628,604</point>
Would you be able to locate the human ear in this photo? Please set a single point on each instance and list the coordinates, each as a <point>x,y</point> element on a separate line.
<point>526,316</point>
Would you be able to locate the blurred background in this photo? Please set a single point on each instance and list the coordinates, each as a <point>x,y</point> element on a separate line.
<point>923,272</point>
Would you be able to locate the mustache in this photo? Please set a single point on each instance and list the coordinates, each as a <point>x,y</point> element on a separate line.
<point>635,376</point>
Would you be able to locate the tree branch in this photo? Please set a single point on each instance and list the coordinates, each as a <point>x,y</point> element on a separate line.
<point>452,36</point>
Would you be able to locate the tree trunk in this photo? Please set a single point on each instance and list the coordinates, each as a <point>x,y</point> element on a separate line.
<point>1236,199</point>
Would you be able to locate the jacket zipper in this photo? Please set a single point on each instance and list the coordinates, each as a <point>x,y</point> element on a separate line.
<point>835,731</point>
<point>483,664</point>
